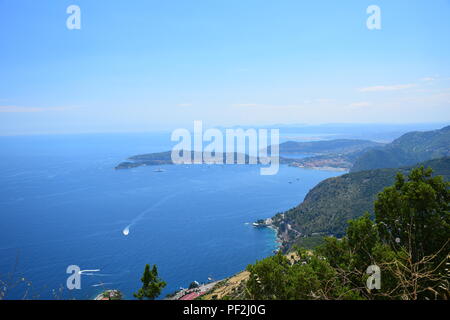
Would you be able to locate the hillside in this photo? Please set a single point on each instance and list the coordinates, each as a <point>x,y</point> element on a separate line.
<point>329,205</point>
<point>340,153</point>
<point>410,148</point>
<point>338,146</point>
<point>336,154</point>
<point>343,161</point>
<point>165,158</point>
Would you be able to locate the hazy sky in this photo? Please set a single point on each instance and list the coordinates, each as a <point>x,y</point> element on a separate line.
<point>149,65</point>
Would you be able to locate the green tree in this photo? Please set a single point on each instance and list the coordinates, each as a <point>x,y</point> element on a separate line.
<point>409,241</point>
<point>305,277</point>
<point>268,278</point>
<point>362,235</point>
<point>414,214</point>
<point>351,255</point>
<point>413,220</point>
<point>152,285</point>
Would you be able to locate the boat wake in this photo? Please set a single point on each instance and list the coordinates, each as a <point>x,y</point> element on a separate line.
<point>126,230</point>
<point>89,272</point>
<point>102,284</point>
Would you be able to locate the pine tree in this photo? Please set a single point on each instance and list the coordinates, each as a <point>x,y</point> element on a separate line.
<point>152,285</point>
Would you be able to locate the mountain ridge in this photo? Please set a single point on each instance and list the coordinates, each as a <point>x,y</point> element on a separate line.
<point>329,205</point>
<point>338,154</point>
<point>410,148</point>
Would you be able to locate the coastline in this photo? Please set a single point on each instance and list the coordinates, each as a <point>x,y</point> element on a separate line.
<point>204,290</point>
<point>325,168</point>
<point>278,240</point>
<point>268,223</point>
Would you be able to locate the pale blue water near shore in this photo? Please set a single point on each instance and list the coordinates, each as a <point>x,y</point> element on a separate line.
<point>62,203</point>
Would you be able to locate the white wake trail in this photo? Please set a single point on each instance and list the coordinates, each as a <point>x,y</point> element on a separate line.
<point>88,272</point>
<point>126,230</point>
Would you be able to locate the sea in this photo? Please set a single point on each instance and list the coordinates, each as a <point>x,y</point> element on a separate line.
<point>62,203</point>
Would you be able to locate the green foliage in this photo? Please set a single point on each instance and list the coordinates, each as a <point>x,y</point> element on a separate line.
<point>413,218</point>
<point>309,242</point>
<point>415,213</point>
<point>336,251</point>
<point>267,278</point>
<point>309,277</point>
<point>337,146</point>
<point>409,149</point>
<point>409,241</point>
<point>362,235</point>
<point>152,285</point>
<point>329,206</point>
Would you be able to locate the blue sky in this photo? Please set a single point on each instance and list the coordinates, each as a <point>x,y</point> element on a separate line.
<point>150,65</point>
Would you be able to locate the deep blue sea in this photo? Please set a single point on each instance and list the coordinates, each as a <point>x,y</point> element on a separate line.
<point>62,203</point>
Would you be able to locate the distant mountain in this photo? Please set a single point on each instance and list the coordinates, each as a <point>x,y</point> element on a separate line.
<point>333,154</point>
<point>411,148</point>
<point>165,158</point>
<point>328,206</point>
<point>338,146</point>
<point>338,153</point>
<point>149,159</point>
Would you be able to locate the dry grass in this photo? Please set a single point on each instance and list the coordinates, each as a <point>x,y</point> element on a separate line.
<point>226,287</point>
